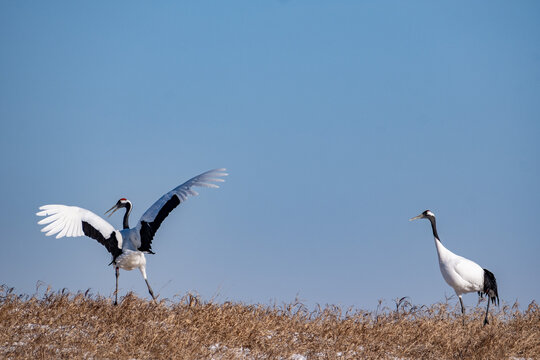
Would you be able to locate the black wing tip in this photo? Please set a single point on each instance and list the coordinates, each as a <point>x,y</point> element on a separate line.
<point>490,287</point>
<point>148,229</point>
<point>110,242</point>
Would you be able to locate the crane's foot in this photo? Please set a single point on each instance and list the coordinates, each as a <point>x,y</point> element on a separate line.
<point>486,321</point>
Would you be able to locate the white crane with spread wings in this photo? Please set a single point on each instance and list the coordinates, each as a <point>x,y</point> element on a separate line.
<point>127,246</point>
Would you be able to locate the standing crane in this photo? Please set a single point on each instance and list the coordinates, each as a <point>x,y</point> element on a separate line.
<point>463,275</point>
<point>127,246</point>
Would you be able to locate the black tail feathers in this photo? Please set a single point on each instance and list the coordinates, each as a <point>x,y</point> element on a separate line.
<point>490,287</point>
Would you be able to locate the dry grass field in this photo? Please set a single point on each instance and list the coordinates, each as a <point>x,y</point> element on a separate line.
<point>58,325</point>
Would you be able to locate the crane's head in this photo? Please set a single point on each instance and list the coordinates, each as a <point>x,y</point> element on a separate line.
<point>428,214</point>
<point>122,203</point>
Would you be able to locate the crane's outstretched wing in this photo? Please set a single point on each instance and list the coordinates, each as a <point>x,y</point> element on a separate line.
<point>154,216</point>
<point>74,221</point>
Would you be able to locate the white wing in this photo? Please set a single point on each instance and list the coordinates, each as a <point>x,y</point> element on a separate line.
<point>74,221</point>
<point>470,272</point>
<point>154,216</point>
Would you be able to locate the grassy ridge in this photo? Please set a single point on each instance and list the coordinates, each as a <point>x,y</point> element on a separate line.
<point>63,325</point>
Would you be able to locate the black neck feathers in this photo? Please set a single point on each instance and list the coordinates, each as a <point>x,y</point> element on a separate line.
<point>126,215</point>
<point>434,227</point>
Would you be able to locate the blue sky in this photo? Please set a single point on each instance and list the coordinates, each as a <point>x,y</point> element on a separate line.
<point>337,121</point>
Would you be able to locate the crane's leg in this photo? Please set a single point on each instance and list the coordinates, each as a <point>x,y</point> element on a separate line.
<point>150,289</point>
<point>487,309</point>
<point>116,292</point>
<point>462,310</point>
<point>143,272</point>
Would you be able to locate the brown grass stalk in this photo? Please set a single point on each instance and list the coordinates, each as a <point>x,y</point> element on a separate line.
<point>58,325</point>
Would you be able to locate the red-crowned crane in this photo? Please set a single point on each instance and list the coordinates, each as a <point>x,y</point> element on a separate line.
<point>127,246</point>
<point>463,275</point>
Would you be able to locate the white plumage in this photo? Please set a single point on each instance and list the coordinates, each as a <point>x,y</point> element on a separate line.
<point>127,246</point>
<point>462,274</point>
<point>67,221</point>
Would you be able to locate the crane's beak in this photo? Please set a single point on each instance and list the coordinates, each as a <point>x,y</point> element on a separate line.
<point>114,208</point>
<point>421,216</point>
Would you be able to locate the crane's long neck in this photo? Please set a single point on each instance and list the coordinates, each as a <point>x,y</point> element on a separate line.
<point>126,215</point>
<point>442,252</point>
<point>434,228</point>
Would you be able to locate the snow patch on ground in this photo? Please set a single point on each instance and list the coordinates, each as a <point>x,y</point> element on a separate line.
<point>298,357</point>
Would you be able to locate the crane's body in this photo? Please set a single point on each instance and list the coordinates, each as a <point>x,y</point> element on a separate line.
<point>462,274</point>
<point>130,258</point>
<point>129,245</point>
